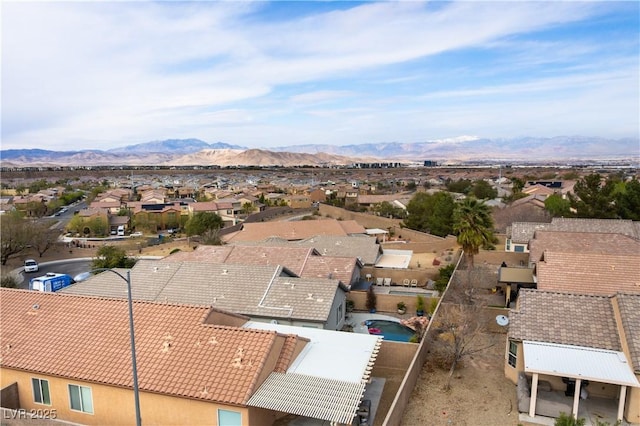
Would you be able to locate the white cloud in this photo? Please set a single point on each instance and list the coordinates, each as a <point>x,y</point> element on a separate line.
<point>79,73</point>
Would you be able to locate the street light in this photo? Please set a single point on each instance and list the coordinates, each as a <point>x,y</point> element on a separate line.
<point>83,276</point>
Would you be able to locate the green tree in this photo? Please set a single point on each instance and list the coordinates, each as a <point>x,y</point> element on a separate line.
<point>628,201</point>
<point>593,199</point>
<point>248,208</point>
<point>386,209</point>
<point>462,186</point>
<point>202,222</point>
<point>473,225</point>
<point>483,190</point>
<point>432,213</point>
<point>565,419</point>
<point>516,184</point>
<point>557,206</point>
<point>112,257</point>
<point>444,275</point>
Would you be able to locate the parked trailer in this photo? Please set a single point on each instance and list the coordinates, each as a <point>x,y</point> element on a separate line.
<point>50,282</point>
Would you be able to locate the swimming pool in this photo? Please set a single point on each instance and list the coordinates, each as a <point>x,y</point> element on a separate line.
<point>390,330</point>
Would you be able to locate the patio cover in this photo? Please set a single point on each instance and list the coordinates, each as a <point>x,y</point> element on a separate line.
<point>578,362</point>
<point>397,259</point>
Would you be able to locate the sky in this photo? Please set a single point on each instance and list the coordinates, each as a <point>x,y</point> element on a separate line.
<point>101,75</point>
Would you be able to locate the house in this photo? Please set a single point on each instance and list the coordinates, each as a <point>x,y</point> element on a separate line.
<point>571,346</point>
<point>296,230</point>
<point>581,242</point>
<point>520,233</point>
<point>261,292</point>
<point>367,249</point>
<point>306,262</point>
<point>72,354</point>
<point>196,364</point>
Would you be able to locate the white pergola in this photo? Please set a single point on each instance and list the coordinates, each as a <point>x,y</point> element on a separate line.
<point>579,363</point>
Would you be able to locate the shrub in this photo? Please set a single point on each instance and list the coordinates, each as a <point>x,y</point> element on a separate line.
<point>9,281</point>
<point>175,250</point>
<point>372,300</point>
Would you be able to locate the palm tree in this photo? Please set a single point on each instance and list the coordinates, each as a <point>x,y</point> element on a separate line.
<point>473,225</point>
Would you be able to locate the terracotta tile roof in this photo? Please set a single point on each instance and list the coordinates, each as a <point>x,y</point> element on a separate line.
<point>582,242</point>
<point>629,305</point>
<point>297,230</point>
<point>564,318</point>
<point>305,262</point>
<point>85,338</point>
<point>256,291</point>
<point>588,273</point>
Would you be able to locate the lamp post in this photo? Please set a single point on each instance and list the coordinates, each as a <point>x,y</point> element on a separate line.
<point>134,367</point>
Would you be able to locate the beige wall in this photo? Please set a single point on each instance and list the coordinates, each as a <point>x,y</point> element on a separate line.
<point>387,302</point>
<point>115,406</point>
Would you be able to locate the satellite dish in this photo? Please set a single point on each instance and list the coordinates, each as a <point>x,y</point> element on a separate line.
<point>274,321</point>
<point>502,320</point>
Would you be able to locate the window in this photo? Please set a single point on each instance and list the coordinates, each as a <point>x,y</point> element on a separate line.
<point>508,248</point>
<point>41,391</point>
<point>513,353</point>
<point>339,312</point>
<point>229,418</point>
<point>80,398</point>
<point>518,249</point>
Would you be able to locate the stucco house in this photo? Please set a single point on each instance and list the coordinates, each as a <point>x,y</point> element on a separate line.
<point>261,292</point>
<point>565,350</point>
<point>195,364</point>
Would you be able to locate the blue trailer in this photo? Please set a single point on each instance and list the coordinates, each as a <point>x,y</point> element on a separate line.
<point>50,282</point>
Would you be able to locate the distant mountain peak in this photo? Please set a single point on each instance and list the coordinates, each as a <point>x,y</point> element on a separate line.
<point>173,146</point>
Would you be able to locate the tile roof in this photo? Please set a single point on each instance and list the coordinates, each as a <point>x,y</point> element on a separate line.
<point>85,338</point>
<point>305,262</point>
<point>522,232</point>
<point>582,242</point>
<point>564,318</point>
<point>364,247</point>
<point>296,230</point>
<point>629,305</point>
<point>256,291</point>
<point>589,273</point>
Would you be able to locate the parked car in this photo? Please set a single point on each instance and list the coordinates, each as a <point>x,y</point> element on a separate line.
<point>30,265</point>
<point>136,234</point>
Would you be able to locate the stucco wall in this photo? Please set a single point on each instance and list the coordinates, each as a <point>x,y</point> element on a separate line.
<point>387,302</point>
<point>112,405</point>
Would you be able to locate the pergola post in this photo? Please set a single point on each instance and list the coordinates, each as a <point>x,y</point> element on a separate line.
<point>534,395</point>
<point>621,401</point>
<point>576,398</point>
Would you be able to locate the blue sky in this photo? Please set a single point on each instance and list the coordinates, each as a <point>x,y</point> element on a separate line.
<point>79,75</point>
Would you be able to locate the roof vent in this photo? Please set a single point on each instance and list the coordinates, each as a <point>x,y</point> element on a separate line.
<point>155,269</point>
<point>35,306</point>
<point>225,271</point>
<point>310,296</point>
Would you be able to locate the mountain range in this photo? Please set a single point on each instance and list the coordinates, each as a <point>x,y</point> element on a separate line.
<point>186,152</point>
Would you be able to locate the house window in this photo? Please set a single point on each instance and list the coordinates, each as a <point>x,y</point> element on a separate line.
<point>513,353</point>
<point>41,391</point>
<point>508,248</point>
<point>229,418</point>
<point>518,249</point>
<point>339,312</point>
<point>81,399</point>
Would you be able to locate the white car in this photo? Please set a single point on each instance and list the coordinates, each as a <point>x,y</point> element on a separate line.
<point>30,265</point>
<point>136,234</point>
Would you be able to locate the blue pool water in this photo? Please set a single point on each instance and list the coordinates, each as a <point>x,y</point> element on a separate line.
<point>390,330</point>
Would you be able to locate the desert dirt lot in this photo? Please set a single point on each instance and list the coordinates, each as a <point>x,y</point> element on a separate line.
<point>480,394</point>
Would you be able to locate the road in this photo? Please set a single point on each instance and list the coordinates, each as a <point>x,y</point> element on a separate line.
<point>71,267</point>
